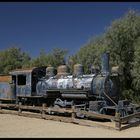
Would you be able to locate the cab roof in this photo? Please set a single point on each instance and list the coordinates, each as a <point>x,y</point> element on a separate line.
<point>26,70</point>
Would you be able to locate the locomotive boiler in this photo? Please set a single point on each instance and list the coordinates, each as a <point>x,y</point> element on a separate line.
<point>94,91</point>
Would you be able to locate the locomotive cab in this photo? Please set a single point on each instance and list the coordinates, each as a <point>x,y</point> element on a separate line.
<point>26,79</point>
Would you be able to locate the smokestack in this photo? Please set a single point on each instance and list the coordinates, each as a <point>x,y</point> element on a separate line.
<point>105,63</point>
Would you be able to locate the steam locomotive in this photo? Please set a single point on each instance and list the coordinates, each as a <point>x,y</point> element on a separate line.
<point>97,91</point>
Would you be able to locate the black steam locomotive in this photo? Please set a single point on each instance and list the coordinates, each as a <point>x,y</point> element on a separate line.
<point>95,92</point>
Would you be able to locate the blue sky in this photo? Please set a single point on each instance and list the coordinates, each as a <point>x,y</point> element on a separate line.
<point>33,26</point>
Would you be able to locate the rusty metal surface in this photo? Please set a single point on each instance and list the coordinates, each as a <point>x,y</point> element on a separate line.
<point>50,71</point>
<point>25,90</point>
<point>62,70</point>
<point>28,70</point>
<point>32,76</point>
<point>7,91</point>
<point>22,70</point>
<point>102,84</point>
<point>105,69</point>
<point>64,82</point>
<point>78,69</point>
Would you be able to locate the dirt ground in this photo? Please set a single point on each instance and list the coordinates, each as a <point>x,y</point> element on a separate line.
<point>13,126</point>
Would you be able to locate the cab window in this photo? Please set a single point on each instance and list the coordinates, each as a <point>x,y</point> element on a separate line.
<point>21,80</point>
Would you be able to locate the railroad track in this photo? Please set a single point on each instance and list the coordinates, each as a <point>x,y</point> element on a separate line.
<point>116,122</point>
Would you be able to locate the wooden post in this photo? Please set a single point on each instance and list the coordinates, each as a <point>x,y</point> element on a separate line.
<point>19,108</point>
<point>117,121</point>
<point>43,112</point>
<point>0,106</point>
<point>73,115</point>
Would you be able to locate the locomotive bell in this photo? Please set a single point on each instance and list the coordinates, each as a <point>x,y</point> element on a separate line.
<point>78,69</point>
<point>62,70</point>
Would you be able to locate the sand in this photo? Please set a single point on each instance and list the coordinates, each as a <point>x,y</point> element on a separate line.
<point>14,126</point>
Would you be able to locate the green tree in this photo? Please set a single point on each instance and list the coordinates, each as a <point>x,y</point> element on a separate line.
<point>58,56</point>
<point>120,39</point>
<point>12,58</point>
<point>54,58</point>
<point>136,71</point>
<point>41,60</point>
<point>90,53</point>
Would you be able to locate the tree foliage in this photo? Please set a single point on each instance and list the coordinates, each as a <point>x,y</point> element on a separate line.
<point>90,54</point>
<point>121,36</point>
<point>54,58</point>
<point>12,58</point>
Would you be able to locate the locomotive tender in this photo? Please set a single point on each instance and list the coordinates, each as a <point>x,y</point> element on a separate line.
<point>95,92</point>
